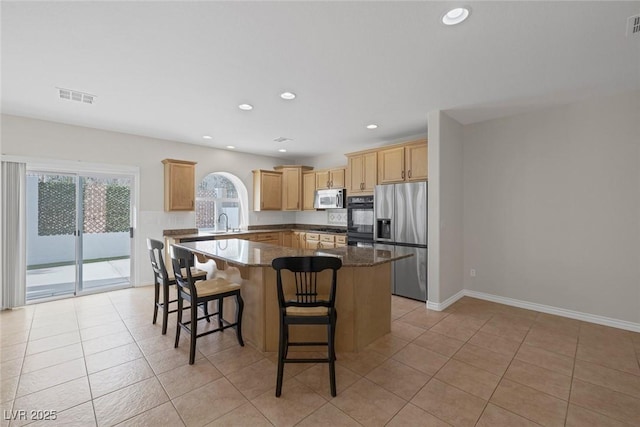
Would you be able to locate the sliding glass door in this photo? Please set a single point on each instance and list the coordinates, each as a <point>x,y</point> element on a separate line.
<point>78,233</point>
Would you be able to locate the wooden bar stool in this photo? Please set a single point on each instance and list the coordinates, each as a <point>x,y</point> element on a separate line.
<point>162,280</point>
<point>307,307</point>
<point>198,292</point>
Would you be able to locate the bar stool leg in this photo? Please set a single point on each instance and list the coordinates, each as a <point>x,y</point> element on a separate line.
<point>220,301</point>
<point>194,332</point>
<point>156,300</point>
<point>239,310</point>
<point>165,308</point>
<point>331,356</point>
<point>281,357</point>
<point>179,321</point>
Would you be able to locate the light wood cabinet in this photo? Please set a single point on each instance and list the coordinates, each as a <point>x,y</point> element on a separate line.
<point>403,163</point>
<point>326,241</point>
<point>391,165</point>
<point>341,241</point>
<point>337,177</point>
<point>330,178</point>
<point>179,185</point>
<point>416,161</point>
<point>272,238</point>
<point>362,173</point>
<point>312,240</point>
<point>286,239</point>
<point>267,190</point>
<point>292,198</point>
<point>295,240</point>
<point>308,190</point>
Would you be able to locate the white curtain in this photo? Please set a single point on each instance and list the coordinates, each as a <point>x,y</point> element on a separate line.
<point>14,233</point>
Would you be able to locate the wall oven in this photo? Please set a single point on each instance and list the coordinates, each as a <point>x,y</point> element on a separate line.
<point>360,220</point>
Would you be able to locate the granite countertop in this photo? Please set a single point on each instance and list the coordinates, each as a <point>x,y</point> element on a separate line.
<point>196,235</point>
<point>254,254</point>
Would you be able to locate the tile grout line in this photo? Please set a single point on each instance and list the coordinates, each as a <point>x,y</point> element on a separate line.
<point>143,356</point>
<point>448,359</point>
<point>573,371</point>
<point>503,377</point>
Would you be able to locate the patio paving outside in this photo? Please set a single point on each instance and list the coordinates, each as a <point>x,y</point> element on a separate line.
<point>53,281</point>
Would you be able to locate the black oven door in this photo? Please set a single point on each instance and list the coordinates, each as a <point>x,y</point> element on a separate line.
<point>360,219</point>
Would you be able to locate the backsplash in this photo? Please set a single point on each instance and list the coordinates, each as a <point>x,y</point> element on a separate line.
<point>337,217</point>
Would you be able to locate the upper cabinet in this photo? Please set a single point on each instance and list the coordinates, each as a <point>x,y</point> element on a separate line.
<point>179,185</point>
<point>308,190</point>
<point>407,162</point>
<point>330,178</point>
<point>267,190</point>
<point>416,161</point>
<point>361,173</point>
<point>292,186</point>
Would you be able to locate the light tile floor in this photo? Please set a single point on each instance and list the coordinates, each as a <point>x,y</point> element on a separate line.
<point>99,360</point>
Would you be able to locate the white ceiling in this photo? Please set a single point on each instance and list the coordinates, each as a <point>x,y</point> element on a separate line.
<point>178,70</point>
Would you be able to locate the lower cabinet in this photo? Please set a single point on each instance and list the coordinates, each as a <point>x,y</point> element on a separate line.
<point>286,239</point>
<point>272,238</point>
<point>312,240</point>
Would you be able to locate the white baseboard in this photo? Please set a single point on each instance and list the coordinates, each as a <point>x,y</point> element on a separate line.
<point>586,317</point>
<point>439,306</point>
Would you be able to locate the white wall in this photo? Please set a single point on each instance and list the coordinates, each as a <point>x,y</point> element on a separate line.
<point>1,210</point>
<point>445,210</point>
<point>552,207</point>
<point>42,139</point>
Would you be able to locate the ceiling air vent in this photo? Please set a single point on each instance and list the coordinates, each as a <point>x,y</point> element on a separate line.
<point>282,139</point>
<point>75,95</point>
<point>633,25</point>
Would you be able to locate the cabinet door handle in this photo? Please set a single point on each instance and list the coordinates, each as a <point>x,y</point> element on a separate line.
<point>402,175</point>
<point>409,173</point>
<point>328,184</point>
<point>331,184</point>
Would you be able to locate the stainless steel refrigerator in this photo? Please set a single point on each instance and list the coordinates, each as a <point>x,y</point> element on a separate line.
<point>400,212</point>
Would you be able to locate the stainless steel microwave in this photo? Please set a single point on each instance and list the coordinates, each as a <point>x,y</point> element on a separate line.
<point>329,199</point>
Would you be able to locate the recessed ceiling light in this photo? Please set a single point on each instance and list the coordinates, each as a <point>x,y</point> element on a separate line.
<point>245,107</point>
<point>456,16</point>
<point>372,126</point>
<point>282,150</point>
<point>231,147</point>
<point>287,95</point>
<point>207,137</point>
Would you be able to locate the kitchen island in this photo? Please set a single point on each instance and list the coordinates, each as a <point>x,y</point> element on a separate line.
<point>363,299</point>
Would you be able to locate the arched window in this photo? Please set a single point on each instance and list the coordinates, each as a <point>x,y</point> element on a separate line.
<point>219,193</point>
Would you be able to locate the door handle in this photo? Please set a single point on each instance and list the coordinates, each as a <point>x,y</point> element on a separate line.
<point>131,232</point>
<point>409,173</point>
<point>331,184</point>
<point>402,175</point>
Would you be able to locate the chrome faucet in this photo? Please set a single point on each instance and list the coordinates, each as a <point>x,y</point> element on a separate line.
<point>226,223</point>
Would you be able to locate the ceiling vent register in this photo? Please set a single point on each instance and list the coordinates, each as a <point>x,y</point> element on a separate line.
<point>633,26</point>
<point>282,139</point>
<point>74,95</point>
